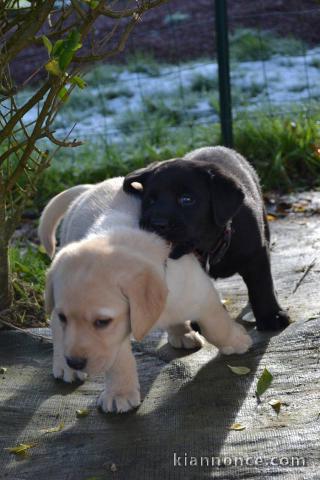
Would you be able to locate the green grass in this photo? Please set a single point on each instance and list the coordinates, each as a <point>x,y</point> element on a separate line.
<point>155,116</point>
<point>248,44</point>
<point>315,62</point>
<point>117,92</point>
<point>104,74</point>
<point>203,84</point>
<point>141,62</point>
<point>241,95</point>
<point>281,148</point>
<point>298,88</point>
<point>28,265</point>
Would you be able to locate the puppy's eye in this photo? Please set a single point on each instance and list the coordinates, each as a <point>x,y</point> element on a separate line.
<point>186,200</point>
<point>62,318</point>
<point>102,322</point>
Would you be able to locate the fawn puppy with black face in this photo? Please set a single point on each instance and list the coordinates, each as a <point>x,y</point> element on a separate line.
<point>210,202</point>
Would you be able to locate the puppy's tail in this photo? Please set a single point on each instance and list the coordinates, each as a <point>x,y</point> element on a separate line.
<point>53,213</point>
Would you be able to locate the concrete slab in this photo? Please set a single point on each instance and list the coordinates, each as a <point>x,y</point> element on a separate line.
<point>182,429</point>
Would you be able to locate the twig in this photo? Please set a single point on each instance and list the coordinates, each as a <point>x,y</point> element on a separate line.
<point>26,332</point>
<point>62,143</point>
<point>312,264</point>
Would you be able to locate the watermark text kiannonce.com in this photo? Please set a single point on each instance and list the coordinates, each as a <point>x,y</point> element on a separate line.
<point>186,460</point>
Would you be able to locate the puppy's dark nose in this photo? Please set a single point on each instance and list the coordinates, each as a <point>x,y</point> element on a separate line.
<point>159,223</point>
<point>77,363</point>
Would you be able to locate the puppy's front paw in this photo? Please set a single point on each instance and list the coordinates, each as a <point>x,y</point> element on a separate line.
<point>119,402</point>
<point>238,342</point>
<point>61,371</point>
<point>190,340</point>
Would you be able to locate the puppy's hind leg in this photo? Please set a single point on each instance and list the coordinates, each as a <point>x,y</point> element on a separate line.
<point>219,329</point>
<point>183,336</point>
<point>265,306</point>
<point>122,389</point>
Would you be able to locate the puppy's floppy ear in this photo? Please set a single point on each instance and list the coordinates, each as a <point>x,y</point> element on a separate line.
<point>227,197</point>
<point>135,181</point>
<point>147,294</point>
<point>48,296</point>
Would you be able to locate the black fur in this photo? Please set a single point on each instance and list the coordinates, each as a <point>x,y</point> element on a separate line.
<point>189,200</point>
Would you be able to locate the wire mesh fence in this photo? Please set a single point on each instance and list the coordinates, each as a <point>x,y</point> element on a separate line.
<point>164,87</point>
<point>168,77</point>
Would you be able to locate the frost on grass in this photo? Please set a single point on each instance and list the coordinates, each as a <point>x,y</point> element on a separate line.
<point>117,94</point>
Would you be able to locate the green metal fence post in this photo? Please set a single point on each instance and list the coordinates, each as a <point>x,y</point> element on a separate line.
<point>224,72</point>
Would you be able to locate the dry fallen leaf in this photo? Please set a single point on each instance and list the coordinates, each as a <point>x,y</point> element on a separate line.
<point>276,404</point>
<point>21,449</point>
<point>226,301</point>
<point>113,467</point>
<point>3,370</point>
<point>58,428</point>
<point>239,370</point>
<point>237,426</point>
<point>82,412</point>
<point>298,208</point>
<point>271,217</point>
<point>315,317</point>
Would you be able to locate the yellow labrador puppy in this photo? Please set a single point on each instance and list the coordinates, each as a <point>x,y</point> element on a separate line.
<point>110,280</point>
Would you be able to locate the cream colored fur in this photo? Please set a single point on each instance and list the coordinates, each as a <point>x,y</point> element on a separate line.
<point>109,268</point>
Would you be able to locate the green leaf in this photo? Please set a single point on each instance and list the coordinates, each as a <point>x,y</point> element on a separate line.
<point>53,68</point>
<point>92,3</point>
<point>63,94</point>
<point>70,45</point>
<point>56,50</point>
<point>65,58</point>
<point>23,268</point>
<point>264,382</point>
<point>47,44</point>
<point>21,449</point>
<point>239,370</point>
<point>78,81</point>
<point>41,248</point>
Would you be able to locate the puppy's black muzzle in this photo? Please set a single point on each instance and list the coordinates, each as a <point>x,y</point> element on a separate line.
<point>159,225</point>
<point>167,228</point>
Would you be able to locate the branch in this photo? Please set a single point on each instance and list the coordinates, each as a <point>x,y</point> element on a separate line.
<point>62,143</point>
<point>23,110</point>
<point>82,14</point>
<point>34,136</point>
<point>130,11</point>
<point>119,48</point>
<point>135,18</point>
<point>22,36</point>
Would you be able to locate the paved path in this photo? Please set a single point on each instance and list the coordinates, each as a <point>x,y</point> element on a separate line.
<point>189,400</point>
